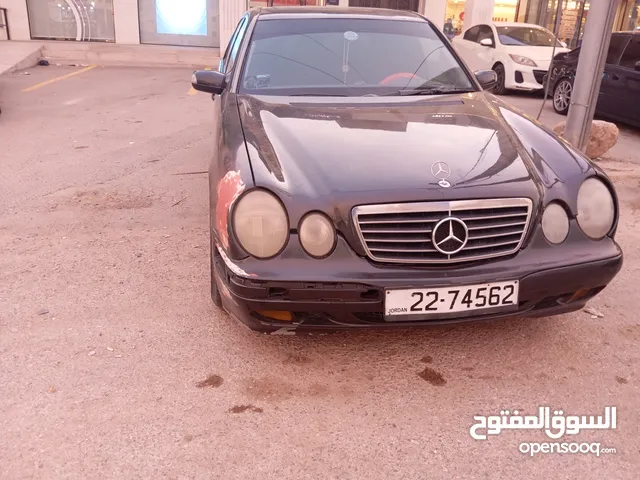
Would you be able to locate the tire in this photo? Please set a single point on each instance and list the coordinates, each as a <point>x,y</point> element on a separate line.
<point>562,96</point>
<point>215,294</point>
<point>499,89</point>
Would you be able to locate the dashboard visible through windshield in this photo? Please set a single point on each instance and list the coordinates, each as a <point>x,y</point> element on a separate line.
<point>348,57</point>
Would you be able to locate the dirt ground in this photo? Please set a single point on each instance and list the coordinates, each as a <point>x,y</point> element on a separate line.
<point>115,364</point>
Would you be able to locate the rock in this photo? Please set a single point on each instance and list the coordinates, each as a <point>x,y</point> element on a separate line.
<point>602,137</point>
<point>92,353</point>
<point>593,312</point>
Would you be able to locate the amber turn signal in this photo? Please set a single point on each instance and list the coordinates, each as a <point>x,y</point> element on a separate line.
<point>281,315</point>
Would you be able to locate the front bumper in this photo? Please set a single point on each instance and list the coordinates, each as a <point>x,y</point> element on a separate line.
<point>349,292</point>
<point>523,77</point>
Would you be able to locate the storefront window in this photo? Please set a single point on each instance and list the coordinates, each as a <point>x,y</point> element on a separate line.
<point>503,11</point>
<point>179,22</point>
<point>570,23</point>
<point>81,20</point>
<point>630,13</point>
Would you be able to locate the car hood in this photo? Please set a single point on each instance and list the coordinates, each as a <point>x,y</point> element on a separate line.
<point>332,154</point>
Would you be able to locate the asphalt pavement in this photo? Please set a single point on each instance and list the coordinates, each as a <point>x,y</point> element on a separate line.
<point>115,364</point>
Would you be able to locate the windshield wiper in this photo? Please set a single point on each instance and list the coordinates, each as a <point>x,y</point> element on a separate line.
<point>316,95</point>
<point>430,91</point>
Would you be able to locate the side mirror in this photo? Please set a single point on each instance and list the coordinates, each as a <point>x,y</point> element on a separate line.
<point>487,78</point>
<point>637,67</point>
<point>486,42</point>
<point>208,81</point>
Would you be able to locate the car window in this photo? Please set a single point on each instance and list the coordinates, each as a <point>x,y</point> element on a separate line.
<point>227,53</point>
<point>235,47</point>
<point>484,31</point>
<point>616,47</point>
<point>516,36</point>
<point>471,34</point>
<point>631,54</point>
<point>353,57</point>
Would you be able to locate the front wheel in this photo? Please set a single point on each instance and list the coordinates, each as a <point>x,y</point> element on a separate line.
<point>499,89</point>
<point>562,96</point>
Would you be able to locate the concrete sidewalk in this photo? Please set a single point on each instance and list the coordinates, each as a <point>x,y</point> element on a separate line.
<point>628,143</point>
<point>19,55</point>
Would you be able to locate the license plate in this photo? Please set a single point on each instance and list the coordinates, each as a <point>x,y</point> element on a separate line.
<point>427,302</point>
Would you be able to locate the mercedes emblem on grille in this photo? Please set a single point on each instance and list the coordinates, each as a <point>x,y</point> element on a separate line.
<point>450,235</point>
<point>442,172</point>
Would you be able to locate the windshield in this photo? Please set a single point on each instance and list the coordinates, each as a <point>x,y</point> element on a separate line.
<point>348,57</point>
<point>526,37</point>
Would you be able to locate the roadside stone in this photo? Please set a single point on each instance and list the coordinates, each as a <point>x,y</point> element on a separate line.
<point>593,312</point>
<point>602,137</point>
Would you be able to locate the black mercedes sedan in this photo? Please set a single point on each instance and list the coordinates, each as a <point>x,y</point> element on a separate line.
<point>620,88</point>
<point>362,177</point>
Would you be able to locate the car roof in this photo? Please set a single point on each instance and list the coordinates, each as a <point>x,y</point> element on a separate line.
<point>266,13</point>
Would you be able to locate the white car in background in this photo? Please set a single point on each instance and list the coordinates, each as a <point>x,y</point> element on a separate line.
<point>519,53</point>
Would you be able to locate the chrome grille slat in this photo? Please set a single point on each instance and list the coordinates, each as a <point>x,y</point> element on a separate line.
<point>464,218</point>
<point>498,244</point>
<point>393,220</point>
<point>397,240</point>
<point>398,231</point>
<point>500,225</point>
<point>497,234</point>
<point>401,233</point>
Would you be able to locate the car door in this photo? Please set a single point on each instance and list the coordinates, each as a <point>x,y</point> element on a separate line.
<point>485,54</point>
<point>625,78</point>
<point>226,102</point>
<point>466,46</point>
<point>610,93</point>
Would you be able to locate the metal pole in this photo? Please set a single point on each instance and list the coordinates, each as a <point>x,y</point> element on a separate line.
<point>586,88</point>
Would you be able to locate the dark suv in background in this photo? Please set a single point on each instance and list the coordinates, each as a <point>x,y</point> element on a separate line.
<point>619,97</point>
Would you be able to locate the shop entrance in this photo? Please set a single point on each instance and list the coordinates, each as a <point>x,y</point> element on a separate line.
<point>394,4</point>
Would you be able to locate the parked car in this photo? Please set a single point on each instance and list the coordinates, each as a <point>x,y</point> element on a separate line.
<point>519,53</point>
<point>619,97</point>
<point>361,177</point>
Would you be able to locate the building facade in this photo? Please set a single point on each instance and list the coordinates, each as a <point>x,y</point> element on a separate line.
<point>209,23</point>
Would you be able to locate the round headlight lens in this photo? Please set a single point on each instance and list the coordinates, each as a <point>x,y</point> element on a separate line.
<point>260,223</point>
<point>317,235</point>
<point>596,211</point>
<point>555,223</point>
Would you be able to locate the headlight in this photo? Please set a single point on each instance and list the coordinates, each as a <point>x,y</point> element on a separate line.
<point>317,235</point>
<point>596,211</point>
<point>523,60</point>
<point>261,224</point>
<point>555,223</point>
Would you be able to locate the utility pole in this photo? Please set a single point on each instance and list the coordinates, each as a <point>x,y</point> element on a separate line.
<point>586,88</point>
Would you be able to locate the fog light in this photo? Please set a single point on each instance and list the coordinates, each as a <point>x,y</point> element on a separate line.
<point>555,223</point>
<point>281,315</point>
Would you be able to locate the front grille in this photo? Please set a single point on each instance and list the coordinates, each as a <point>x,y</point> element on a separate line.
<point>403,233</point>
<point>539,75</point>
